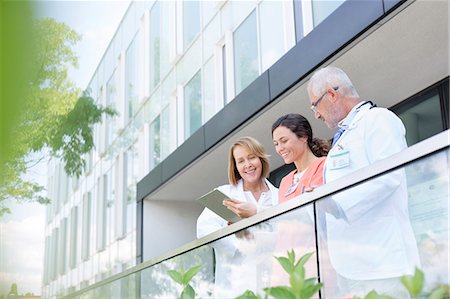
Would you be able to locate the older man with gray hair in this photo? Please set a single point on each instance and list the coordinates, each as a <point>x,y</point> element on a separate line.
<point>370,239</point>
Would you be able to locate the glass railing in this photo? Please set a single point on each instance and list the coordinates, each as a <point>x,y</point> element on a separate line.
<point>402,223</point>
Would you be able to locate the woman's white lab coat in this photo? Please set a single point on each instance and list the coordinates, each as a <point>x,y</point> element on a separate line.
<point>236,259</point>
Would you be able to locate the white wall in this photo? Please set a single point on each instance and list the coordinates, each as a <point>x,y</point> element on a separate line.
<point>167,225</point>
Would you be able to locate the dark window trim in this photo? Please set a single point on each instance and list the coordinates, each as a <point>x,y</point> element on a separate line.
<point>439,88</point>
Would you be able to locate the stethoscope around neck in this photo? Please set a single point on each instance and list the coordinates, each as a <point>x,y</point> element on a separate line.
<point>372,105</point>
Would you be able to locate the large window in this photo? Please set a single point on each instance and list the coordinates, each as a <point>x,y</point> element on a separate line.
<point>155,142</point>
<point>426,113</point>
<point>110,207</point>
<point>120,199</point>
<point>131,79</point>
<point>191,21</point>
<point>55,252</point>
<point>102,189</point>
<point>62,247</point>
<point>165,132</point>
<point>192,105</point>
<point>131,173</point>
<point>246,66</point>
<point>86,226</point>
<point>210,103</point>
<point>155,45</point>
<point>271,32</point>
<point>322,9</point>
<point>111,100</point>
<point>73,237</point>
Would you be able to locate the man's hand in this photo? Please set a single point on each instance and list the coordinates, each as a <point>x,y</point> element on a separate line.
<point>242,209</point>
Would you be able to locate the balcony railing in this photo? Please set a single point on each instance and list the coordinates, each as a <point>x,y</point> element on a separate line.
<point>241,256</point>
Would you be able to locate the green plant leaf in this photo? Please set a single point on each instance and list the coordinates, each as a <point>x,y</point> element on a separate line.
<point>248,295</point>
<point>297,279</point>
<point>291,256</point>
<point>440,292</point>
<point>188,293</point>
<point>286,264</point>
<point>176,276</point>
<point>190,273</point>
<point>414,284</point>
<point>310,290</point>
<point>302,261</point>
<point>374,295</point>
<point>280,292</point>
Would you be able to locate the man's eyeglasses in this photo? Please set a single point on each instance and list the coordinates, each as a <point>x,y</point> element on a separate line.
<point>314,104</point>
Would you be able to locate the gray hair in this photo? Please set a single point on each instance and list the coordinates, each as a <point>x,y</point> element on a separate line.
<point>331,76</point>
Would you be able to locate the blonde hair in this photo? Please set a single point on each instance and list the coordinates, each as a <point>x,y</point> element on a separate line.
<point>256,148</point>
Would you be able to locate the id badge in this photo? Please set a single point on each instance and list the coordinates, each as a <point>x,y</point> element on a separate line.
<point>339,160</point>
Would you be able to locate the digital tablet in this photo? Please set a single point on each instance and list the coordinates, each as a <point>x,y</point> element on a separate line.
<point>213,200</point>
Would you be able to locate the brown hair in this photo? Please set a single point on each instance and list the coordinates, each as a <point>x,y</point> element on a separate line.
<point>300,126</point>
<point>256,148</point>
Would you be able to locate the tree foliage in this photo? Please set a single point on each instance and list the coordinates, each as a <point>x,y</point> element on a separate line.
<point>58,117</point>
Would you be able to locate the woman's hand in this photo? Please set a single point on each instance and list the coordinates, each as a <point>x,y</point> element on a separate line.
<point>242,209</point>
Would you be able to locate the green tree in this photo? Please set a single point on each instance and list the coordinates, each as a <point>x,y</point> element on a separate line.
<point>57,118</point>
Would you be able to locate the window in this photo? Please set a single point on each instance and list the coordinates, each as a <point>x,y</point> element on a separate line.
<point>120,199</point>
<point>89,163</point>
<point>323,8</point>
<point>155,45</point>
<point>271,32</point>
<point>246,65</point>
<point>102,189</point>
<point>73,237</point>
<point>132,160</point>
<point>62,247</point>
<point>211,103</point>
<point>111,99</point>
<point>165,132</point>
<point>192,105</point>
<point>155,142</point>
<point>86,226</point>
<point>224,75</point>
<point>425,114</point>
<point>55,252</point>
<point>191,21</point>
<point>110,207</point>
<point>131,79</point>
<point>46,276</point>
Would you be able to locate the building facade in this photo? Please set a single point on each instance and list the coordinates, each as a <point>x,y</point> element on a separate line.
<point>187,77</point>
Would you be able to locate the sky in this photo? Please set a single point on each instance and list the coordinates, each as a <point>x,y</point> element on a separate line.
<point>22,233</point>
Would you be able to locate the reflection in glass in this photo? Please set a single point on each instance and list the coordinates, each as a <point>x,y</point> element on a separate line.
<point>131,80</point>
<point>131,181</point>
<point>422,120</point>
<point>428,195</point>
<point>210,99</point>
<point>245,260</point>
<point>399,222</point>
<point>165,132</point>
<point>246,67</point>
<point>156,282</point>
<point>191,21</point>
<point>323,8</point>
<point>192,105</point>
<point>111,100</point>
<point>155,142</point>
<point>271,32</point>
<point>155,45</point>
